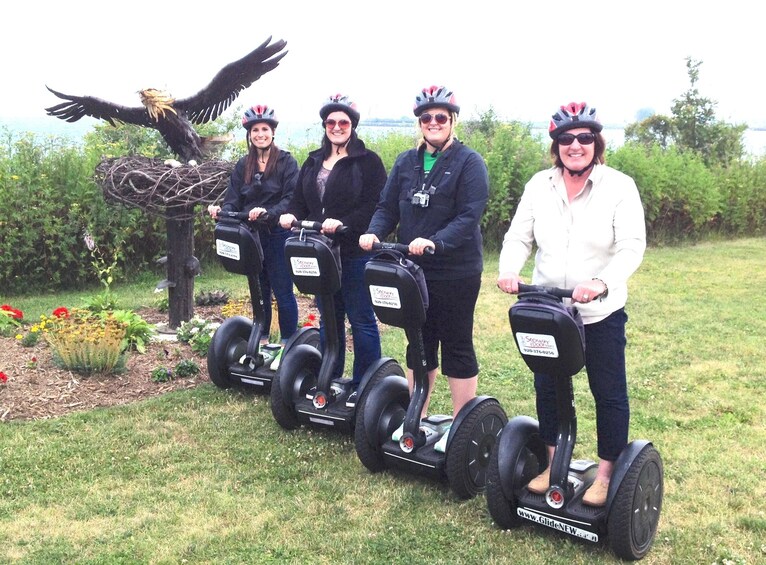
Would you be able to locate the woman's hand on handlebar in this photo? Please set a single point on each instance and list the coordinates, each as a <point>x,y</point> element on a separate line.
<point>419,244</point>
<point>509,282</point>
<point>588,291</point>
<point>286,221</point>
<point>366,240</point>
<point>255,213</point>
<point>330,225</point>
<point>213,211</point>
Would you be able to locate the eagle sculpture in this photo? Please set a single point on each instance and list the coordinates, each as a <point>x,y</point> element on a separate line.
<point>173,118</point>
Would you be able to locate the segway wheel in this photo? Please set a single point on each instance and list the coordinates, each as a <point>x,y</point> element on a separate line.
<point>378,413</point>
<point>228,345</point>
<point>518,457</point>
<point>635,510</point>
<point>297,374</point>
<point>307,335</point>
<point>469,450</point>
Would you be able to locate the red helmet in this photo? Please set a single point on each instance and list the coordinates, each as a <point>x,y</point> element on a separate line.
<point>574,115</point>
<point>257,114</point>
<point>433,96</point>
<point>340,103</point>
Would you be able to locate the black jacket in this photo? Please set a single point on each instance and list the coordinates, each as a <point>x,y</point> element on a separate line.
<point>352,191</point>
<point>273,193</point>
<point>460,189</point>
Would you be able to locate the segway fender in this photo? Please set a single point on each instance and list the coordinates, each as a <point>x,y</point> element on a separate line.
<point>374,368</point>
<point>464,412</point>
<point>379,396</point>
<point>621,466</point>
<point>513,439</point>
<point>298,358</point>
<point>306,334</point>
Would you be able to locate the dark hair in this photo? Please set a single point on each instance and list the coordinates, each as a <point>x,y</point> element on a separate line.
<point>598,152</point>
<point>251,163</point>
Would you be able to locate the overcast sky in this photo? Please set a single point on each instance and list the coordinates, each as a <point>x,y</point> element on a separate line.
<point>522,58</point>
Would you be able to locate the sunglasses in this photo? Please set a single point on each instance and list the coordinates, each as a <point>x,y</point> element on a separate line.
<point>342,124</point>
<point>582,138</point>
<point>441,119</point>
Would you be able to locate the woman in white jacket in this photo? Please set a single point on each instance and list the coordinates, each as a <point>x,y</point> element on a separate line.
<point>587,222</point>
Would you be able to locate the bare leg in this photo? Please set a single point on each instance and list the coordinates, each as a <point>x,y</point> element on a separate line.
<point>463,391</point>
<point>605,469</point>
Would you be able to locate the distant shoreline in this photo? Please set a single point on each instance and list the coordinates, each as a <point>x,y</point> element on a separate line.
<point>302,134</point>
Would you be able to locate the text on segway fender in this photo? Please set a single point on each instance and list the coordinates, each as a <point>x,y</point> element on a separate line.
<point>227,249</point>
<point>538,345</point>
<point>305,266</point>
<point>385,297</point>
<point>557,525</point>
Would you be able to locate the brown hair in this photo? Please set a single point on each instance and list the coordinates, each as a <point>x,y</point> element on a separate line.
<point>251,163</point>
<point>598,153</point>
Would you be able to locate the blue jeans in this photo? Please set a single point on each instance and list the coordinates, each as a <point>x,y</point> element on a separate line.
<point>276,278</point>
<point>605,364</point>
<point>353,300</point>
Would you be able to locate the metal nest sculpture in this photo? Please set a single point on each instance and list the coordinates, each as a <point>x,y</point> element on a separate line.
<point>159,187</point>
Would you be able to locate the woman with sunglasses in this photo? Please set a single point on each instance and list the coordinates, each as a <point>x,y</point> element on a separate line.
<point>262,182</point>
<point>587,223</point>
<point>339,185</point>
<point>436,195</point>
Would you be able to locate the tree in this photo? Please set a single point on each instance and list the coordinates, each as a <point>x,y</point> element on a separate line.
<point>693,126</point>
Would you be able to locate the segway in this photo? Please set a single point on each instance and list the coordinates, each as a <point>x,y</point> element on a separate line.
<point>235,356</point>
<point>400,299</point>
<point>550,338</point>
<point>305,392</point>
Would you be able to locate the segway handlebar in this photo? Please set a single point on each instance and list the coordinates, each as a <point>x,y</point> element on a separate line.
<point>315,226</point>
<point>555,291</point>
<point>244,217</point>
<point>400,247</point>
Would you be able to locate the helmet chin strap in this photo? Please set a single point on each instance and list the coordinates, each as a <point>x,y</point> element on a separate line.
<point>581,171</point>
<point>339,145</point>
<point>440,147</point>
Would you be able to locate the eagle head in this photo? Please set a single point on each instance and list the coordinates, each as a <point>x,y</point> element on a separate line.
<point>156,102</point>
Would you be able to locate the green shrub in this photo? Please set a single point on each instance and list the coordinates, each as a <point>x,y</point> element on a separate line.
<point>186,368</point>
<point>138,332</point>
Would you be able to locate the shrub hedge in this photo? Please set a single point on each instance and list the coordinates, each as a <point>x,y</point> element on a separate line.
<point>51,201</point>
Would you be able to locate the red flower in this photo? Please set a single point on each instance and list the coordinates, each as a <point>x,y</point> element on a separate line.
<point>61,312</point>
<point>15,312</point>
<point>3,377</point>
<point>311,320</point>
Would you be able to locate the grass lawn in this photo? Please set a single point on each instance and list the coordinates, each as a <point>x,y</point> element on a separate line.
<point>207,476</point>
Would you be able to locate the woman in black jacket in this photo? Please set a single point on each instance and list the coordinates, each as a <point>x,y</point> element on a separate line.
<point>263,182</point>
<point>339,185</point>
<point>434,198</point>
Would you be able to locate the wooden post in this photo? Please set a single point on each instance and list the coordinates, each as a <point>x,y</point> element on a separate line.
<point>180,256</point>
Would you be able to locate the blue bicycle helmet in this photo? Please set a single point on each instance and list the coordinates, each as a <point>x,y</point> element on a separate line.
<point>574,115</point>
<point>340,103</point>
<point>257,114</point>
<point>435,96</point>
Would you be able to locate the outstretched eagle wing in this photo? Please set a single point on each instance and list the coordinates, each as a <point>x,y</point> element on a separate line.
<point>212,100</point>
<point>76,107</point>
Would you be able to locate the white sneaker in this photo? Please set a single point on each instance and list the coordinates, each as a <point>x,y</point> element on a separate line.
<point>441,445</point>
<point>277,358</point>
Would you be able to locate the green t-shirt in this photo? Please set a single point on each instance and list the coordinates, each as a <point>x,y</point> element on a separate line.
<point>429,160</point>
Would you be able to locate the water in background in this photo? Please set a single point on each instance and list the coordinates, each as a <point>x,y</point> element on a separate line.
<point>310,134</point>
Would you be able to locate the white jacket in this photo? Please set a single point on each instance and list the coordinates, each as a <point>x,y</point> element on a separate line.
<point>601,234</point>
